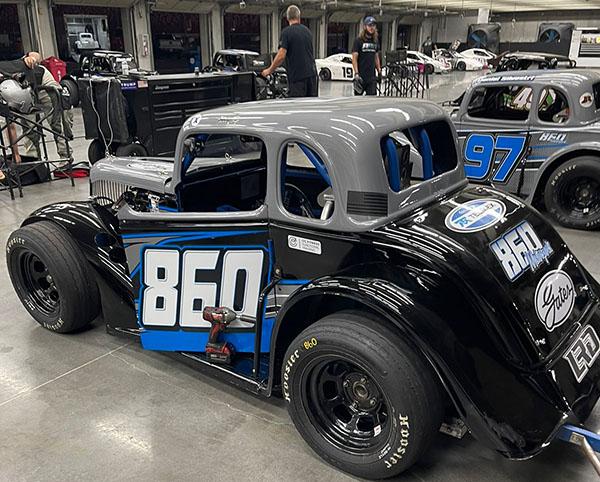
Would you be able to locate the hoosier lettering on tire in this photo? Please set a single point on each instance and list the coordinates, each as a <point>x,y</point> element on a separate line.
<point>360,396</point>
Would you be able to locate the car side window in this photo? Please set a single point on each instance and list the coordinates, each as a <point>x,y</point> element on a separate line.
<point>553,106</point>
<point>418,154</point>
<point>505,102</point>
<point>306,187</point>
<point>222,173</point>
<point>347,60</point>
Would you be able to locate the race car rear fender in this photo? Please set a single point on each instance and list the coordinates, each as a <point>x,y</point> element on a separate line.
<point>555,160</point>
<point>467,373</point>
<point>95,230</point>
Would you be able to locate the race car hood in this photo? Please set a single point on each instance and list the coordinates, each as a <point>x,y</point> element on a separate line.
<point>513,260</point>
<point>150,173</point>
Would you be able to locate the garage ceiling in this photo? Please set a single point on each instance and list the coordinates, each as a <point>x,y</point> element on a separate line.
<point>449,6</point>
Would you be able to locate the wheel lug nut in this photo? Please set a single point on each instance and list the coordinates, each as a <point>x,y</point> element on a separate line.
<point>363,380</point>
<point>346,383</point>
<point>372,402</point>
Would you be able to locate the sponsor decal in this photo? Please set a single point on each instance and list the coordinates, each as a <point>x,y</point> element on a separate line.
<point>553,137</point>
<point>521,249</point>
<point>554,298</point>
<point>128,85</point>
<point>586,99</point>
<point>304,244</point>
<point>582,354</point>
<point>475,215</point>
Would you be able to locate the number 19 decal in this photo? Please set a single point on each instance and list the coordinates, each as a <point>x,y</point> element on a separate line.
<point>167,287</point>
<point>480,155</point>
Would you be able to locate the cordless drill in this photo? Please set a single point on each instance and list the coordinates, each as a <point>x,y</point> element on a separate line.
<point>219,318</point>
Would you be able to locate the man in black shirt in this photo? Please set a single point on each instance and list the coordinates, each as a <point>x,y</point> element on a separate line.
<point>365,59</point>
<point>296,48</point>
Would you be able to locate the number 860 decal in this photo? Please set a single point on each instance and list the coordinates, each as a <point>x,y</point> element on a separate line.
<point>483,151</point>
<point>176,285</point>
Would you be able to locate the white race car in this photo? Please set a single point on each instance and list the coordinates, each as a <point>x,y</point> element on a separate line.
<point>430,65</point>
<point>479,54</point>
<point>459,61</point>
<point>335,67</point>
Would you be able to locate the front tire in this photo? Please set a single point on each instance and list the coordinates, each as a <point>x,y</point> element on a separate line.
<point>96,151</point>
<point>461,66</point>
<point>360,396</point>
<point>131,150</point>
<point>73,89</point>
<point>572,193</point>
<point>52,277</point>
<point>429,69</point>
<point>325,74</point>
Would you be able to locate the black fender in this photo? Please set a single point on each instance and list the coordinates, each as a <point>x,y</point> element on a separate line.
<point>96,230</point>
<point>507,409</point>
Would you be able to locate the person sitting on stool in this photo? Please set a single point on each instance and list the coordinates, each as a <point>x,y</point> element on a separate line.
<point>365,59</point>
<point>296,48</point>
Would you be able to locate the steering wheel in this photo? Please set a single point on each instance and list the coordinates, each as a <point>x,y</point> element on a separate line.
<point>296,202</point>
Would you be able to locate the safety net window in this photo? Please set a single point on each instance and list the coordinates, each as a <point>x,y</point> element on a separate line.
<point>418,154</point>
<point>306,188</point>
<point>223,173</point>
<point>505,102</point>
<point>553,106</point>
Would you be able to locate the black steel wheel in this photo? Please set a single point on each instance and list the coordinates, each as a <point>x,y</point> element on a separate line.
<point>572,194</point>
<point>461,66</point>
<point>346,405</point>
<point>52,277</point>
<point>360,396</point>
<point>325,74</point>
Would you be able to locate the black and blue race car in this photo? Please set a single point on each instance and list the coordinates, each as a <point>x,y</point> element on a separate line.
<point>331,252</point>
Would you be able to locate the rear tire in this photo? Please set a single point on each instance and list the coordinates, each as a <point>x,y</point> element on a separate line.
<point>96,151</point>
<point>131,150</point>
<point>52,277</point>
<point>429,69</point>
<point>360,396</point>
<point>572,193</point>
<point>325,74</point>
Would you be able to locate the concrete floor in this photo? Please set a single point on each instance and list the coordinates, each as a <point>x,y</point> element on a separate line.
<point>93,407</point>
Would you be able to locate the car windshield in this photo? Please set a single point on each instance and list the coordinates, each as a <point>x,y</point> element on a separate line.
<point>210,150</point>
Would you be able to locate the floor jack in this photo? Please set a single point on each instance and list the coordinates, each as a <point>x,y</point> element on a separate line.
<point>588,441</point>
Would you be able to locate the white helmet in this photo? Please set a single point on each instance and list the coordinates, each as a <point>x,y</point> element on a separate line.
<point>18,98</point>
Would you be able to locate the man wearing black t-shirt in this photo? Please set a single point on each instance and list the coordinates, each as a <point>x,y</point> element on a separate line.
<point>296,48</point>
<point>365,59</point>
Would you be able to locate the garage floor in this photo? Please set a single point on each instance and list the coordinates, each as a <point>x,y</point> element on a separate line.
<point>93,407</point>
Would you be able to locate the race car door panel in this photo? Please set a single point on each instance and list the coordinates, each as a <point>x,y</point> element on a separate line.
<point>493,132</point>
<point>180,267</point>
<point>210,247</point>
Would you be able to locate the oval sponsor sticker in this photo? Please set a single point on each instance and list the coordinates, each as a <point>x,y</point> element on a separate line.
<point>586,99</point>
<point>475,215</point>
<point>554,298</point>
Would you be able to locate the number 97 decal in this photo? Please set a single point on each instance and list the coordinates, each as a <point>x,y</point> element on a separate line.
<point>481,155</point>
